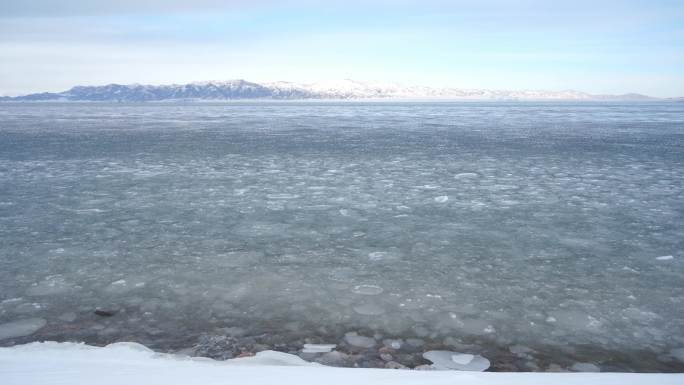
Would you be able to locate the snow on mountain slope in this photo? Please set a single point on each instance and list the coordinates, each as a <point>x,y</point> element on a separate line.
<point>132,364</point>
<point>342,89</point>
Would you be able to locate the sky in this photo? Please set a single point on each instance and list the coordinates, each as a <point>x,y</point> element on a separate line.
<point>600,47</point>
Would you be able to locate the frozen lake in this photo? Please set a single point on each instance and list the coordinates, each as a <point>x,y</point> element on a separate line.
<point>533,234</point>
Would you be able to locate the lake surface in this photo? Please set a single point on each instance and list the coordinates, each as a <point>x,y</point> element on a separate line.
<point>537,235</point>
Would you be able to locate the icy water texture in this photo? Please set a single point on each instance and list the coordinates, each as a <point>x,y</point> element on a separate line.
<point>533,234</point>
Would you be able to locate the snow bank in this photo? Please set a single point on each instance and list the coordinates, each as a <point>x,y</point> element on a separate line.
<point>130,363</point>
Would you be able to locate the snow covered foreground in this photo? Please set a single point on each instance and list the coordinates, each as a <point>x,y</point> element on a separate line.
<point>131,363</point>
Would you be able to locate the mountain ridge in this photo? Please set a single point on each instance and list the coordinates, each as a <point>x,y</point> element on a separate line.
<point>347,89</point>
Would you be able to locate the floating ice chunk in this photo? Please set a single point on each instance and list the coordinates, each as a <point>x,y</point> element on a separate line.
<point>665,258</point>
<point>369,309</point>
<point>367,289</point>
<point>378,255</point>
<point>640,314</point>
<point>344,212</point>
<point>318,348</point>
<point>576,320</point>
<point>520,350</point>
<point>341,274</point>
<point>394,344</point>
<point>282,196</point>
<point>51,285</point>
<point>68,317</point>
<point>119,286</point>
<point>465,175</point>
<point>475,326</point>
<point>584,367</point>
<point>10,300</point>
<point>446,360</point>
<point>20,328</point>
<point>441,199</point>
<point>28,307</point>
<point>353,339</point>
<point>122,286</point>
<point>240,258</point>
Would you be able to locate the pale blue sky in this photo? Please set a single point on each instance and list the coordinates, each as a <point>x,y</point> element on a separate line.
<point>593,46</point>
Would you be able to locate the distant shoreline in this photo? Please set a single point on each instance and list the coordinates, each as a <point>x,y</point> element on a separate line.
<point>331,101</point>
<point>334,91</point>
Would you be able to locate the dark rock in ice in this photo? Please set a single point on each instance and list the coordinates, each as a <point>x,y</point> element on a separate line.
<point>104,313</point>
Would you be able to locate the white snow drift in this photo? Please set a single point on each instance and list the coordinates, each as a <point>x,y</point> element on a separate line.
<point>130,363</point>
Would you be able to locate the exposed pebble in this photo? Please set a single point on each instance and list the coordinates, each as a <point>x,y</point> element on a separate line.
<point>386,357</point>
<point>334,358</point>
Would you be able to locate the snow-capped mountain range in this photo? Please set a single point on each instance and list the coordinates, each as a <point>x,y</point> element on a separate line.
<point>346,89</point>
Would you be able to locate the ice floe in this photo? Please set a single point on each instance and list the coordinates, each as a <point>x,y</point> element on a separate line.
<point>51,285</point>
<point>318,348</point>
<point>369,309</point>
<point>353,339</point>
<point>446,360</point>
<point>21,327</point>
<point>585,367</point>
<point>367,289</point>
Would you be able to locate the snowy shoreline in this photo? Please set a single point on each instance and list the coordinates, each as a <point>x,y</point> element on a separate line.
<point>132,363</point>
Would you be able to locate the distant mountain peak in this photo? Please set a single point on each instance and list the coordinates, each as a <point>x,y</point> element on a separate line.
<point>284,90</point>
